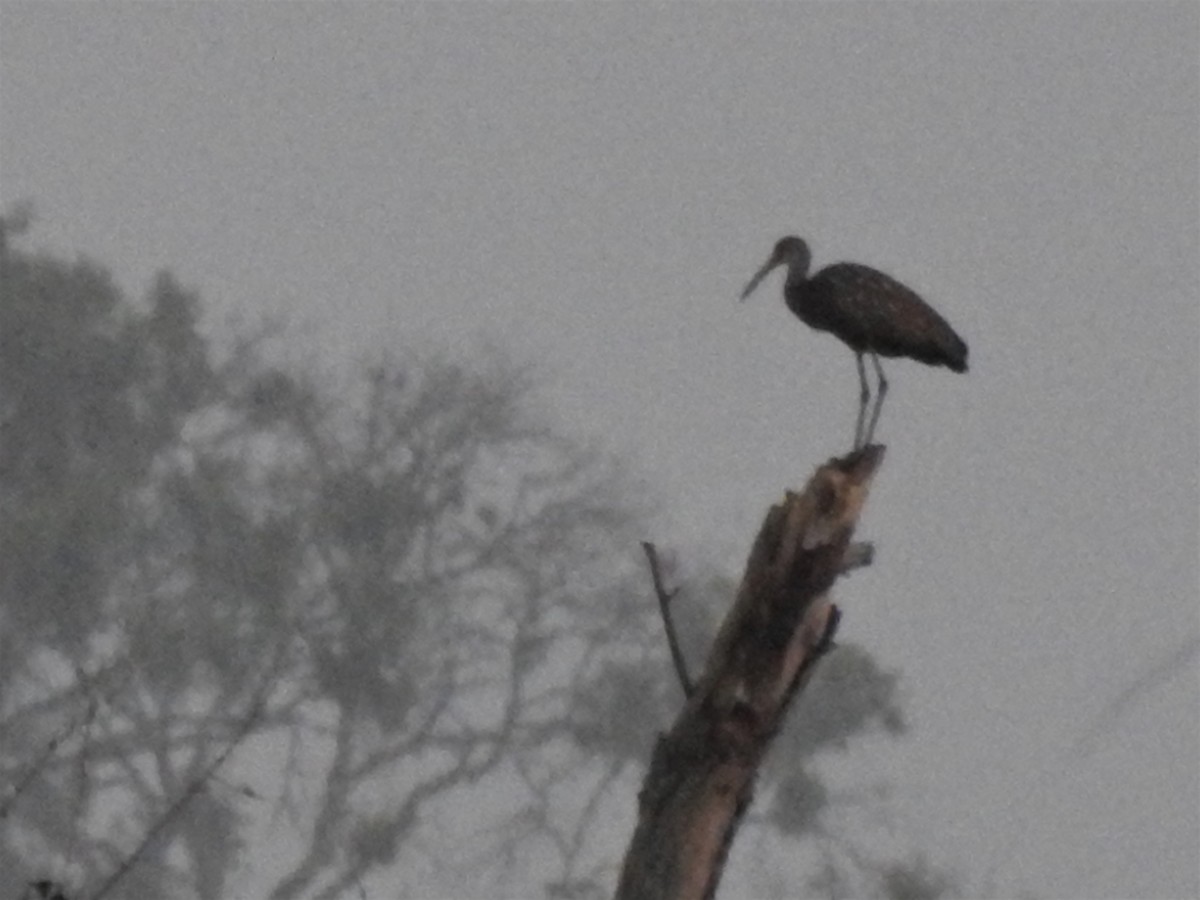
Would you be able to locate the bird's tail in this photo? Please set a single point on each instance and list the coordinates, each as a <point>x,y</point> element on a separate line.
<point>955,353</point>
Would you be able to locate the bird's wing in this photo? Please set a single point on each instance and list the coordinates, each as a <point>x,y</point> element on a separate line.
<point>888,317</point>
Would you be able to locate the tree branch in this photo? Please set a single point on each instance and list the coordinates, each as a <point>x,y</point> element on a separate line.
<point>664,607</point>
<point>701,777</point>
<point>172,812</point>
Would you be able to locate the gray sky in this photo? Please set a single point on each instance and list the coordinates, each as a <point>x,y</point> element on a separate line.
<point>591,186</point>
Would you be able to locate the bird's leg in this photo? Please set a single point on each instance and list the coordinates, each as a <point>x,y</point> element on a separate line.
<point>880,394</point>
<point>864,395</point>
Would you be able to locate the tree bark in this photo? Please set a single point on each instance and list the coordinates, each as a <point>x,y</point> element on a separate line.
<point>701,776</point>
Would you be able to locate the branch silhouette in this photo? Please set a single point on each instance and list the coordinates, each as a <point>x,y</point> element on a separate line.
<point>701,776</point>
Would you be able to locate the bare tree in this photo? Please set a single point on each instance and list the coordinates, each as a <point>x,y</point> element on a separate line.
<point>701,778</point>
<point>381,592</point>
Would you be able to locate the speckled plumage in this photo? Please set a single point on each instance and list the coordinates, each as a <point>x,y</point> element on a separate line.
<point>869,311</point>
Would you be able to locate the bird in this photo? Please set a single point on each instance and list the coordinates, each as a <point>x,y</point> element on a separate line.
<point>872,313</point>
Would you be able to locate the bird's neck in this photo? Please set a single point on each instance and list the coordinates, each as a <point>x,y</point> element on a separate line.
<point>797,275</point>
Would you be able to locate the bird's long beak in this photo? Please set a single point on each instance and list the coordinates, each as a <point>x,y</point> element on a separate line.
<point>759,276</point>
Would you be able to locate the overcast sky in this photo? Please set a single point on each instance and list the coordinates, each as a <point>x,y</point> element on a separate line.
<point>589,187</point>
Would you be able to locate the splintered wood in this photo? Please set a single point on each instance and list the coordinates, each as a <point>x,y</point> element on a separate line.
<point>701,776</point>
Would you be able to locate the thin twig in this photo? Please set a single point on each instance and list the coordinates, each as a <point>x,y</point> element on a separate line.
<point>664,606</point>
<point>195,787</point>
<point>36,768</point>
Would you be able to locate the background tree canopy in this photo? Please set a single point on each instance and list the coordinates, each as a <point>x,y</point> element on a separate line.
<point>265,632</point>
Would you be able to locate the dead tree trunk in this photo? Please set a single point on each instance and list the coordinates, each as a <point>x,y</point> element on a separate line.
<point>702,772</point>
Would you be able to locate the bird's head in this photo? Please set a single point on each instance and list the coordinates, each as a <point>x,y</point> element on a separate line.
<point>790,251</point>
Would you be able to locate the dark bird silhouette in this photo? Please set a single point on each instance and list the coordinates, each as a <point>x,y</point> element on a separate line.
<point>871,312</point>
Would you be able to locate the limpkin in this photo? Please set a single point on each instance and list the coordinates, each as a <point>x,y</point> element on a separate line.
<point>871,312</point>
